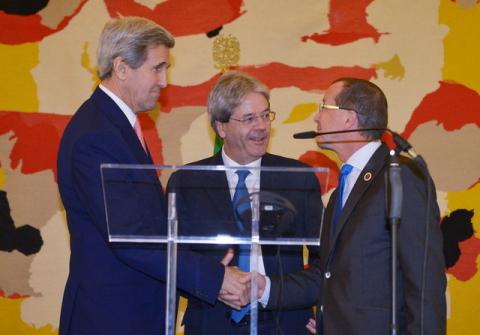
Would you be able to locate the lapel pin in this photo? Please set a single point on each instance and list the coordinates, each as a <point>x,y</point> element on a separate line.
<point>367,176</point>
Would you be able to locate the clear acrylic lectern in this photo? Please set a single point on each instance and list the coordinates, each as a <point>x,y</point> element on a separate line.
<point>167,205</point>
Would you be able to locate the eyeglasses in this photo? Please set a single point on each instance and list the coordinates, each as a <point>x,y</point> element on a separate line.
<point>249,120</point>
<point>325,106</point>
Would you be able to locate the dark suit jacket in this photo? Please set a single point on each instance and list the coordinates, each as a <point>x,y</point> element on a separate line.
<point>351,283</point>
<point>116,290</point>
<point>205,208</point>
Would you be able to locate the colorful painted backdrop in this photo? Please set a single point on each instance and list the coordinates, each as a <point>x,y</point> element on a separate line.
<point>424,54</point>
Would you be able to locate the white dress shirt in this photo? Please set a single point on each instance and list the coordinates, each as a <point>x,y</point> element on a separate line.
<point>358,160</point>
<point>129,113</point>
<point>253,185</point>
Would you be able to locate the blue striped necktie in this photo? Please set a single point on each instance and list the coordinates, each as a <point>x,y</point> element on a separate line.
<point>241,191</point>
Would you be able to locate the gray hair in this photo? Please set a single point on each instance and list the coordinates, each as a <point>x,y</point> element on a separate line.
<point>368,101</point>
<point>228,93</point>
<point>129,38</point>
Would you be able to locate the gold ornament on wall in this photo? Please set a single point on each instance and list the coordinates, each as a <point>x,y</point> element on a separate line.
<point>226,52</point>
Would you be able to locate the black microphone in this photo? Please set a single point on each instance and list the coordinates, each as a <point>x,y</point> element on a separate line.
<point>313,134</point>
<point>401,143</point>
<point>306,134</point>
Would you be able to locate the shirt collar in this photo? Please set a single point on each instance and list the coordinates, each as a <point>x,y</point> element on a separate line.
<point>227,161</point>
<point>131,116</point>
<point>361,157</point>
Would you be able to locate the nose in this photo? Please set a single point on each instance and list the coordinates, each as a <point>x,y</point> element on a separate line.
<point>162,79</point>
<point>261,123</point>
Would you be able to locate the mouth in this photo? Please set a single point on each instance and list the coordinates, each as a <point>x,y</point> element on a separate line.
<point>258,139</point>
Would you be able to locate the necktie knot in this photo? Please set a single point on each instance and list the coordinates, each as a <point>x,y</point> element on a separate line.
<point>242,176</point>
<point>345,170</point>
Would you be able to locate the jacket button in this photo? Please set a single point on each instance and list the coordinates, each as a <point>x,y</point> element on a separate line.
<point>328,274</point>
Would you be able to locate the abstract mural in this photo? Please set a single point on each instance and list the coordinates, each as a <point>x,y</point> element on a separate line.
<point>423,54</point>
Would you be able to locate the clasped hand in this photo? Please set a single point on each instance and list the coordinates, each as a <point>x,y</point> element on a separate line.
<point>235,290</point>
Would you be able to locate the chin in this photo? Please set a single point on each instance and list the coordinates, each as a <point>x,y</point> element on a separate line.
<point>148,107</point>
<point>257,154</point>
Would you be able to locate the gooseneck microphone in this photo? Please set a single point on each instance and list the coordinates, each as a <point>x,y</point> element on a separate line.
<point>313,134</point>
<point>402,144</point>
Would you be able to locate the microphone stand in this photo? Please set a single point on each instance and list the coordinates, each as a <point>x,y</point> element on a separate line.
<point>395,195</point>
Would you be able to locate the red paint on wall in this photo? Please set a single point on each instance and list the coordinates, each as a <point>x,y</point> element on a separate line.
<point>328,180</point>
<point>18,29</point>
<point>181,17</point>
<point>348,23</point>
<point>452,105</point>
<point>466,266</point>
<point>274,75</point>
<point>37,138</point>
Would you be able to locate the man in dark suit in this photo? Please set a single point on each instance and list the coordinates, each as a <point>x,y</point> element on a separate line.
<point>351,283</point>
<point>240,114</point>
<point>120,289</point>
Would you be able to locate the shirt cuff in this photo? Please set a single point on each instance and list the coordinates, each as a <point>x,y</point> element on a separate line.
<point>266,293</point>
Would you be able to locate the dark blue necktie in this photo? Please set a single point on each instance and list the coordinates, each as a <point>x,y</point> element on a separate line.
<point>344,171</point>
<point>241,191</point>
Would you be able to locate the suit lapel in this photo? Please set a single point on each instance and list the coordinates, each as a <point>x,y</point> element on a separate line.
<point>115,115</point>
<point>217,190</point>
<point>371,171</point>
<point>118,118</point>
<point>269,181</point>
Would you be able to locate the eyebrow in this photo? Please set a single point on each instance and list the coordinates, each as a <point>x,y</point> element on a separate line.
<point>263,111</point>
<point>162,64</point>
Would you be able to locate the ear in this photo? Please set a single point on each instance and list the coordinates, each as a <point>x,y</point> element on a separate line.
<point>220,128</point>
<point>119,68</point>
<point>351,119</point>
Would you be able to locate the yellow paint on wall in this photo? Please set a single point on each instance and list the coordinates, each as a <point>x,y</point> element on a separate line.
<point>301,112</point>
<point>465,295</point>
<point>462,52</point>
<point>464,307</point>
<point>468,199</point>
<point>11,323</point>
<point>2,178</point>
<point>87,64</point>
<point>17,87</point>
<point>393,68</point>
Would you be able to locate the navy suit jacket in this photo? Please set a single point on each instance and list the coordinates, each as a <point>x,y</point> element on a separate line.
<point>205,208</point>
<point>351,283</point>
<point>116,289</point>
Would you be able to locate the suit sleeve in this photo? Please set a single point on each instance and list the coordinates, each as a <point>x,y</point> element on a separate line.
<point>296,290</point>
<point>195,274</point>
<point>418,218</point>
<point>313,213</point>
<point>301,289</point>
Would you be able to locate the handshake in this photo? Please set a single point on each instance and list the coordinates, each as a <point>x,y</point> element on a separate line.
<point>236,286</point>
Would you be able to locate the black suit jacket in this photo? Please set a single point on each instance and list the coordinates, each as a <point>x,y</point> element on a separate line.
<point>351,283</point>
<point>205,208</point>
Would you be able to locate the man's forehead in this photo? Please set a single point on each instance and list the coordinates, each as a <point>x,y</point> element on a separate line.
<point>159,53</point>
<point>333,90</point>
